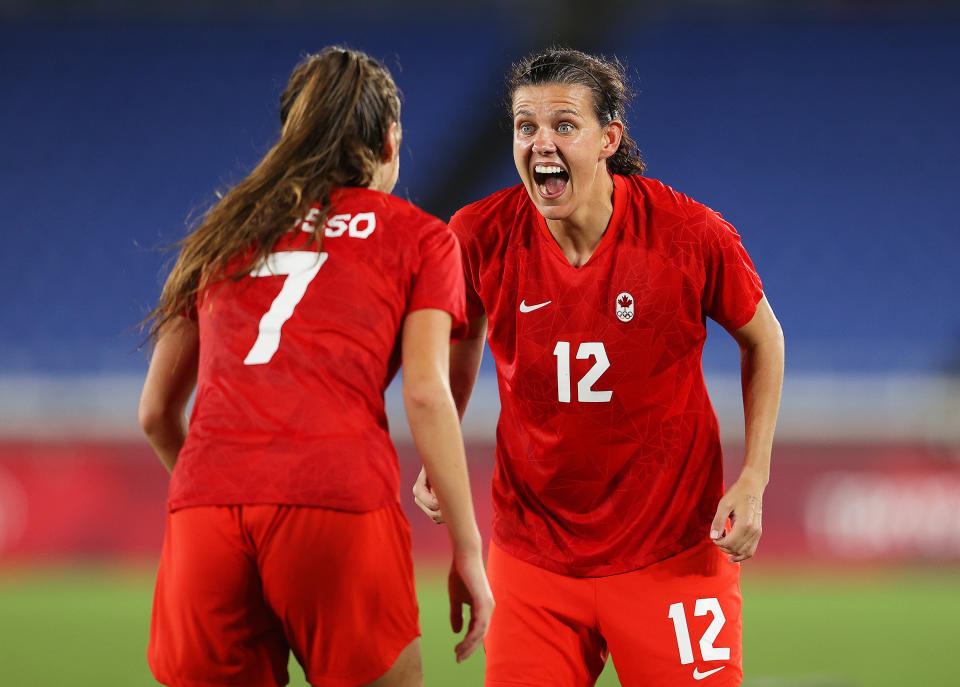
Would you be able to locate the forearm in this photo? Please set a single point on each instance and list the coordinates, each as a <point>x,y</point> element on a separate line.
<point>761,365</point>
<point>170,381</point>
<point>436,432</point>
<point>465,358</point>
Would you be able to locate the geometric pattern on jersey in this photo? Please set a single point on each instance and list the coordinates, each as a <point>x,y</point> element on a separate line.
<point>304,423</point>
<point>628,471</point>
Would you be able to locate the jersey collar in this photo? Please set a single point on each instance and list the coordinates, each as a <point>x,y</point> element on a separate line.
<point>620,192</point>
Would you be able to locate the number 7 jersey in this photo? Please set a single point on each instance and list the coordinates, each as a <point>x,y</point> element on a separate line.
<point>608,453</point>
<point>295,357</point>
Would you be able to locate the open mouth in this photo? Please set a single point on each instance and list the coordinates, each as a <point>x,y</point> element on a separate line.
<point>550,180</point>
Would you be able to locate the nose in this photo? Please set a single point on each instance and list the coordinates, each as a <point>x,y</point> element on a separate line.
<point>543,142</point>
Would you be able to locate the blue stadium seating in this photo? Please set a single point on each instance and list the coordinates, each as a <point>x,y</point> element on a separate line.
<point>832,146</point>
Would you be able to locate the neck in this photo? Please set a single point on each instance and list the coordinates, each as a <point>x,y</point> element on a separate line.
<point>383,178</point>
<point>579,234</point>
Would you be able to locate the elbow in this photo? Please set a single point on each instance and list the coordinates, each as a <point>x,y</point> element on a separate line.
<point>425,394</point>
<point>153,417</point>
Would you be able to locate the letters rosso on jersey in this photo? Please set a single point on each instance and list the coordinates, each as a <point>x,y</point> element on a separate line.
<point>294,360</point>
<point>608,452</point>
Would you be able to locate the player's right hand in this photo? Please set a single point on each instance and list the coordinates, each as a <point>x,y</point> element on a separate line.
<point>425,497</point>
<point>468,585</point>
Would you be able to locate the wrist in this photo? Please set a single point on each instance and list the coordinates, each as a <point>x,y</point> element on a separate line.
<point>469,547</point>
<point>756,476</point>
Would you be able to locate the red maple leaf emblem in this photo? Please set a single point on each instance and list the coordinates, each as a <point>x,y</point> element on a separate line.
<point>624,301</point>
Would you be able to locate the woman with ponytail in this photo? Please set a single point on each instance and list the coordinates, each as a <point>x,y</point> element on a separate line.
<point>611,529</point>
<point>289,309</point>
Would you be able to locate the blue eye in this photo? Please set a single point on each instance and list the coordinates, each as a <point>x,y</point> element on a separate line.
<point>525,129</point>
<point>565,128</point>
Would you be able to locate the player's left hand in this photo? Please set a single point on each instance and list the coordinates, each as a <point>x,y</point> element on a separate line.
<point>743,505</point>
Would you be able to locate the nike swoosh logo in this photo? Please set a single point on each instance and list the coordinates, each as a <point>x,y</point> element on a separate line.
<point>697,675</point>
<point>530,308</point>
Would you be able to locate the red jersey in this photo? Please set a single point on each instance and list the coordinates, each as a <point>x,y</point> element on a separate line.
<point>608,450</point>
<point>294,360</point>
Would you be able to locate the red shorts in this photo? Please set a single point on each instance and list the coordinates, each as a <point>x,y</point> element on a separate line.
<point>676,622</point>
<point>239,587</point>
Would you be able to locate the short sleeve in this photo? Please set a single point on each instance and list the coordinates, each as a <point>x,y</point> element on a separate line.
<point>470,267</point>
<point>438,283</point>
<point>732,287</point>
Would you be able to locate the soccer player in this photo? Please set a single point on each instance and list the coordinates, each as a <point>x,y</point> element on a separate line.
<point>289,309</point>
<point>593,285</point>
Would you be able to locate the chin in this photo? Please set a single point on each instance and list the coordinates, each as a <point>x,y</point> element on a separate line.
<point>552,210</point>
<point>549,209</point>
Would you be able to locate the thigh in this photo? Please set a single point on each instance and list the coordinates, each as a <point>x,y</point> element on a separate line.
<point>210,624</point>
<point>543,631</point>
<point>406,671</point>
<point>342,585</point>
<point>676,622</point>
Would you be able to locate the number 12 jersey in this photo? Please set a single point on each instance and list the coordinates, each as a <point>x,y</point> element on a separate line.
<point>608,451</point>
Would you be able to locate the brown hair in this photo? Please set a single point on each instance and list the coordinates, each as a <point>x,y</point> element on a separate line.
<point>604,77</point>
<point>335,113</point>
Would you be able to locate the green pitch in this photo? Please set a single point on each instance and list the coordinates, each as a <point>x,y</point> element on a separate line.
<point>88,626</point>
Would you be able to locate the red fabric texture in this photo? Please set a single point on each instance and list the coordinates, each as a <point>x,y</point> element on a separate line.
<point>550,629</point>
<point>626,470</point>
<point>240,586</point>
<point>308,426</point>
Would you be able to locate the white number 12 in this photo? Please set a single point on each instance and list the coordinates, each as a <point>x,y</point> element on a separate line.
<point>300,267</point>
<point>585,391</point>
<point>707,650</point>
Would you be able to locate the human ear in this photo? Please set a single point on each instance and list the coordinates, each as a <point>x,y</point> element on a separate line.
<point>391,143</point>
<point>612,134</point>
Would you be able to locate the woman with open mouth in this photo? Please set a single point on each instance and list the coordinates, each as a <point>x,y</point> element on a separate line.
<point>612,531</point>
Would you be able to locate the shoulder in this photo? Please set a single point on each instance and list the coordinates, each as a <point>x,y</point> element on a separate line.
<point>670,209</point>
<point>661,198</point>
<point>491,220</point>
<point>385,205</point>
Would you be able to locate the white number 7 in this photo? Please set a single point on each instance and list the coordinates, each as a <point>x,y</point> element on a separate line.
<point>300,267</point>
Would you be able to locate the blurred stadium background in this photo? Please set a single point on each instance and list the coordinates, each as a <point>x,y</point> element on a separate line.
<point>827,132</point>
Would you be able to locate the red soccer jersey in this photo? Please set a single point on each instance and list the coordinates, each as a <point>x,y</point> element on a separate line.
<point>608,450</point>
<point>294,360</point>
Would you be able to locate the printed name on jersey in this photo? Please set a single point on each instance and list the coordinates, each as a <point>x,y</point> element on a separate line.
<point>337,225</point>
<point>623,306</point>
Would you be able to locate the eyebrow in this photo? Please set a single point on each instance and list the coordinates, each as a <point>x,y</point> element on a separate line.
<point>529,113</point>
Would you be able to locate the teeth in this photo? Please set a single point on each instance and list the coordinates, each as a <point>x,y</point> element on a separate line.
<point>547,169</point>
